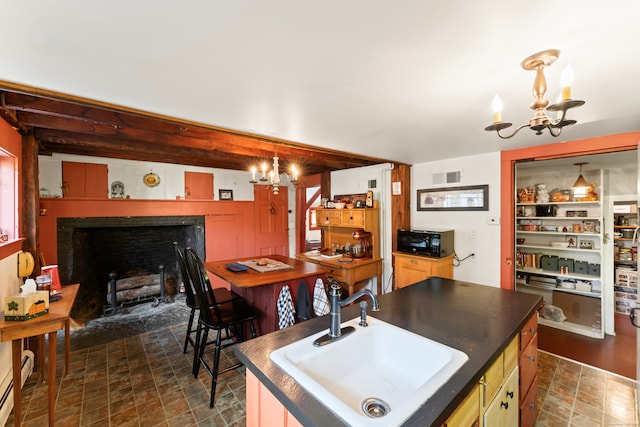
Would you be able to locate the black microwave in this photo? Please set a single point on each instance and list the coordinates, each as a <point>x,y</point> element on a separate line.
<point>425,242</point>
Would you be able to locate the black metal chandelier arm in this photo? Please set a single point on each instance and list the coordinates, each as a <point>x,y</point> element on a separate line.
<point>555,134</point>
<point>514,132</point>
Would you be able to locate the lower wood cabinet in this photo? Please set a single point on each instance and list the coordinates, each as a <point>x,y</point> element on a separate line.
<point>467,414</point>
<point>528,364</point>
<point>495,386</point>
<point>409,269</point>
<point>503,409</point>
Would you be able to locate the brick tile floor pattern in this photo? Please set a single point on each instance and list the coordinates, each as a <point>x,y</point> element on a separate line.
<point>146,380</point>
<point>143,380</point>
<point>575,395</point>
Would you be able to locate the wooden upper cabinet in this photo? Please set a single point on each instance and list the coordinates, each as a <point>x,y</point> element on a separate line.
<point>198,185</point>
<point>85,180</point>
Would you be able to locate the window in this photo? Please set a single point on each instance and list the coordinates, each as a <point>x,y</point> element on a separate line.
<point>10,157</point>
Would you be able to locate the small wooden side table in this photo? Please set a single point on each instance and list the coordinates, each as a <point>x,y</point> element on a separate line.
<point>14,331</point>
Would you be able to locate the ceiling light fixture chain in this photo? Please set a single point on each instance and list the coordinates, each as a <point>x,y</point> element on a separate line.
<point>540,105</point>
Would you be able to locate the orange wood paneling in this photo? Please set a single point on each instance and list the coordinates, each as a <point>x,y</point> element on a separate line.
<point>74,208</point>
<point>198,185</point>
<point>252,400</point>
<point>272,412</point>
<point>96,181</point>
<point>605,144</point>
<point>271,215</point>
<point>88,180</point>
<point>73,184</point>
<point>263,409</point>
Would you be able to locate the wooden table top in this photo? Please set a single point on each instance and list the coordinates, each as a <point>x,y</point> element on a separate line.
<point>59,312</point>
<point>337,262</point>
<point>252,278</point>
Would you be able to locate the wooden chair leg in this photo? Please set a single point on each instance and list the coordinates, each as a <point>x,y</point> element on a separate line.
<point>189,330</point>
<point>214,371</point>
<point>197,349</point>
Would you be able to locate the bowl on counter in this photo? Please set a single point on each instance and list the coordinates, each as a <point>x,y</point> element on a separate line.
<point>339,205</point>
<point>351,205</point>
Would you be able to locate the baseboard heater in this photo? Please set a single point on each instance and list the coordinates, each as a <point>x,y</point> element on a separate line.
<point>6,388</point>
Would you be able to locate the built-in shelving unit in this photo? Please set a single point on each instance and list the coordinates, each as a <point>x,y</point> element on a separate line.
<point>558,250</point>
<point>625,219</point>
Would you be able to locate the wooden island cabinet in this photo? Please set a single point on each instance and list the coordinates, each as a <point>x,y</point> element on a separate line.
<point>409,269</point>
<point>487,391</point>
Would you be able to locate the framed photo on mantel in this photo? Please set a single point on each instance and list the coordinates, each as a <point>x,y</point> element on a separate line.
<point>225,194</point>
<point>470,198</point>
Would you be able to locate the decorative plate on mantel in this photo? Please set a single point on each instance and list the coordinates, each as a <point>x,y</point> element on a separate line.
<point>151,179</point>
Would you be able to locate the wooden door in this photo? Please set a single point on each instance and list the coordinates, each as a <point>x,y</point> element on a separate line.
<point>198,185</point>
<point>88,180</point>
<point>271,216</point>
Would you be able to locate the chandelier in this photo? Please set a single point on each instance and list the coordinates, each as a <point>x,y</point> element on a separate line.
<point>272,177</point>
<point>540,120</point>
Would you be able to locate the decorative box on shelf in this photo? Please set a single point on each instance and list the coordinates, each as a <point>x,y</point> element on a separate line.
<point>26,306</point>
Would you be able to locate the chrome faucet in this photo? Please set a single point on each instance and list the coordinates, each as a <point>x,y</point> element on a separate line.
<point>335,331</point>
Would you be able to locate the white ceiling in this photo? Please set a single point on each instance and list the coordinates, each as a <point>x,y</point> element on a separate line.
<point>410,81</point>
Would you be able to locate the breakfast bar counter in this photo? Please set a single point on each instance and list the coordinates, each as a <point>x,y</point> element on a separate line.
<point>478,320</point>
<point>261,289</point>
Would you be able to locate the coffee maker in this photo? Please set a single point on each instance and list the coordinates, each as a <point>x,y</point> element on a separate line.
<point>362,247</point>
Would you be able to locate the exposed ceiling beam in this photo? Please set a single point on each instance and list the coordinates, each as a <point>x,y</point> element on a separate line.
<point>78,126</point>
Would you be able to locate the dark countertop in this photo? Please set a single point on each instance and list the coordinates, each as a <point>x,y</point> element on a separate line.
<point>478,320</point>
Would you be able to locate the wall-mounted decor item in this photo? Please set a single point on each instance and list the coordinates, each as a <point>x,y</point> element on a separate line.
<point>473,198</point>
<point>225,194</point>
<point>151,179</point>
<point>117,190</point>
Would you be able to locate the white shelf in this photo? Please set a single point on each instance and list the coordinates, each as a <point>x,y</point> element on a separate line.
<point>573,327</point>
<point>541,272</point>
<point>559,228</point>
<point>546,247</point>
<point>571,218</point>
<point>588,202</point>
<point>559,233</point>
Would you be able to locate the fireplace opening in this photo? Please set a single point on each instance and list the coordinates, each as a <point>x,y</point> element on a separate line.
<point>92,250</point>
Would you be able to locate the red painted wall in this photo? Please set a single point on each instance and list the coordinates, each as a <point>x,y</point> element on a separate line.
<point>221,242</point>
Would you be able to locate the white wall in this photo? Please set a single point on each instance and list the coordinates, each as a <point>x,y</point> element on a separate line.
<point>130,173</point>
<point>356,181</point>
<point>472,232</point>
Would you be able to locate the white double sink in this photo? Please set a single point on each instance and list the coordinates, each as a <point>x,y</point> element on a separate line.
<point>377,376</point>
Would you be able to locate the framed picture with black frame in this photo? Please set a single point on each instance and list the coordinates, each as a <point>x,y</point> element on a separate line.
<point>469,198</point>
<point>225,194</point>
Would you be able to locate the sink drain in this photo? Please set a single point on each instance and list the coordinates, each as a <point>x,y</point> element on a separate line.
<point>375,408</point>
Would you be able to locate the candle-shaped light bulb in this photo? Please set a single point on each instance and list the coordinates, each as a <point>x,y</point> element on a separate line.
<point>566,81</point>
<point>497,109</point>
<point>253,173</point>
<point>294,173</point>
<point>264,171</point>
<point>271,177</point>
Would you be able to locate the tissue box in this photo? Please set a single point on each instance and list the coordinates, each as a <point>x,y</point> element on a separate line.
<point>25,307</point>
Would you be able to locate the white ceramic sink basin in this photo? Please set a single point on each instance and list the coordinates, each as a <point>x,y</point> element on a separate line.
<point>381,361</point>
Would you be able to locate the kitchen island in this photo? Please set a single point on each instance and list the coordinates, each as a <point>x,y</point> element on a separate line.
<point>477,320</point>
<point>261,289</point>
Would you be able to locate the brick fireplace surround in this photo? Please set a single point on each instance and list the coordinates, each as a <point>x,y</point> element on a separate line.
<point>91,249</point>
<point>220,230</point>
